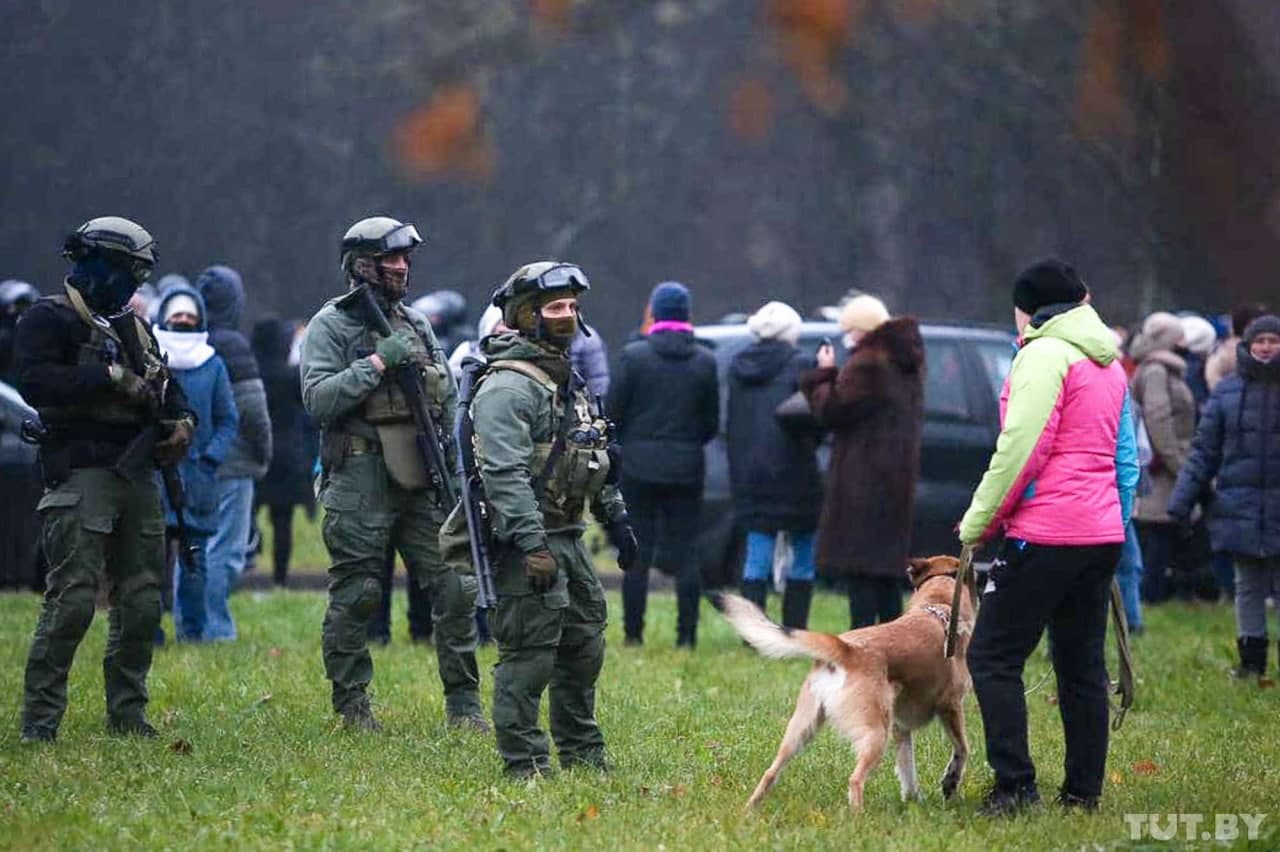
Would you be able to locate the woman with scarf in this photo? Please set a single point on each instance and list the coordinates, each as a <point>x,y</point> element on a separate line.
<point>203,376</point>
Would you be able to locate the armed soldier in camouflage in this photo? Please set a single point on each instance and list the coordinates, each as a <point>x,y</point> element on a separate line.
<point>110,412</point>
<point>542,449</point>
<point>375,487</point>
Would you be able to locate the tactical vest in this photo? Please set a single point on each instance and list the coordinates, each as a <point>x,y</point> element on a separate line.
<point>386,404</point>
<point>103,348</point>
<point>387,411</point>
<point>564,481</point>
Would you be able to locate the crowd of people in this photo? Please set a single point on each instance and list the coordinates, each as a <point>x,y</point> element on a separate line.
<point>1149,457</point>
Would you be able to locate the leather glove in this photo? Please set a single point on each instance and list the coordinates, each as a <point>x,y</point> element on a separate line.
<point>394,350</point>
<point>623,537</point>
<point>540,568</point>
<point>173,449</point>
<point>130,384</point>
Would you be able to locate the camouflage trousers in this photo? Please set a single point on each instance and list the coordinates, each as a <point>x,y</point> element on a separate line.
<point>98,527</point>
<point>556,641</point>
<point>365,512</point>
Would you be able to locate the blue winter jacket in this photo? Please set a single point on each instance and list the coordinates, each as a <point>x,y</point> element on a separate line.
<point>209,395</point>
<point>1238,442</point>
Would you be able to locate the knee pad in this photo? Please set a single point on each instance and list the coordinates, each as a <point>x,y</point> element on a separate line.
<point>367,598</point>
<point>74,613</point>
<point>140,613</point>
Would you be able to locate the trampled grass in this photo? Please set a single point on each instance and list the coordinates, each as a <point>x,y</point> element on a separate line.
<point>250,755</point>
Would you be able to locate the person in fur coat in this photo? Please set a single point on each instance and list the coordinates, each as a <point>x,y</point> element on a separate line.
<point>874,407</point>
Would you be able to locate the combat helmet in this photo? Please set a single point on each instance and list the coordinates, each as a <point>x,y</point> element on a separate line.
<point>377,236</point>
<point>539,282</point>
<point>125,240</point>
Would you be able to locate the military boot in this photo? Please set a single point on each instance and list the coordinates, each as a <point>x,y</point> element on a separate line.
<point>795,604</point>
<point>469,721</point>
<point>131,728</point>
<point>358,715</point>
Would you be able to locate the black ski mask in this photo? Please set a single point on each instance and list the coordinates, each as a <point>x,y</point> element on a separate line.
<point>105,284</point>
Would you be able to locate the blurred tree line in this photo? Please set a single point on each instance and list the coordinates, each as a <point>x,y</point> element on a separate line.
<point>754,149</point>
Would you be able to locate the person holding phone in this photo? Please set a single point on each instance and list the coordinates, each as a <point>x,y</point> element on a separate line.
<point>874,407</point>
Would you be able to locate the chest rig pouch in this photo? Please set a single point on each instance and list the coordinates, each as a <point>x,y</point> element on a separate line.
<point>103,348</point>
<point>387,410</point>
<point>574,465</point>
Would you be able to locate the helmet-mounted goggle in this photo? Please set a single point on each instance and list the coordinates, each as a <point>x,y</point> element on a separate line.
<point>563,276</point>
<point>138,259</point>
<point>402,238</point>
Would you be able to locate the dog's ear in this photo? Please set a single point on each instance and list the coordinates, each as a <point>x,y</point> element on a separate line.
<point>916,570</point>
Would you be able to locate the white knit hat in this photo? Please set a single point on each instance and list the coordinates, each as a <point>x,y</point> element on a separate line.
<point>775,321</point>
<point>1198,334</point>
<point>180,303</point>
<point>863,313</point>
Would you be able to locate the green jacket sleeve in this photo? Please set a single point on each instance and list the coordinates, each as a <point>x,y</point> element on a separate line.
<point>1030,423</point>
<point>503,416</point>
<point>331,386</point>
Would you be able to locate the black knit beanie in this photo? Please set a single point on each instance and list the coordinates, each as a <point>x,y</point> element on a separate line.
<point>1265,324</point>
<point>1049,282</point>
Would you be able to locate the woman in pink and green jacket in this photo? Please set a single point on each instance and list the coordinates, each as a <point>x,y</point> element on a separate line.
<point>1060,489</point>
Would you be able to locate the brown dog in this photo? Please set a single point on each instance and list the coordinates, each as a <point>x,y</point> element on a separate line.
<point>870,680</point>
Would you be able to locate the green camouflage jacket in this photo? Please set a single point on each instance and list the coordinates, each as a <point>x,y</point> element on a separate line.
<point>513,416</point>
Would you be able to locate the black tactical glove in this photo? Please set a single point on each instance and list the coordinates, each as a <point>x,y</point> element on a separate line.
<point>623,537</point>
<point>541,569</point>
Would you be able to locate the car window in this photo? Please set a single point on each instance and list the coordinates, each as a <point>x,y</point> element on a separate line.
<point>997,359</point>
<point>945,393</point>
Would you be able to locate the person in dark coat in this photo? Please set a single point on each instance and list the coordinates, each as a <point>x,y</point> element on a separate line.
<point>665,401</point>
<point>223,294</point>
<point>288,480</point>
<point>874,406</point>
<point>773,469</point>
<point>1238,445</point>
<point>16,297</point>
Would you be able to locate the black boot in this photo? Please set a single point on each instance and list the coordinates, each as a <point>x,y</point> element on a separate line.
<point>756,591</point>
<point>1253,657</point>
<point>795,604</point>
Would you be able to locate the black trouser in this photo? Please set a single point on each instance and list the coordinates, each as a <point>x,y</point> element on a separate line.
<point>420,625</point>
<point>872,598</point>
<point>1032,587</point>
<point>1176,562</point>
<point>665,519</point>
<point>281,541</point>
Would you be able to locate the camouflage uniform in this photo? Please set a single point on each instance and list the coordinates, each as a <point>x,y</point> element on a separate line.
<point>374,494</point>
<point>554,639</point>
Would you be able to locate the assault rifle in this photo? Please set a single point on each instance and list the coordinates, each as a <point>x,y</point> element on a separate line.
<point>139,454</point>
<point>428,436</point>
<point>474,506</point>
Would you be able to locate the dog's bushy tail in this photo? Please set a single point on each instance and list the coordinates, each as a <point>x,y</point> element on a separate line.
<point>774,640</point>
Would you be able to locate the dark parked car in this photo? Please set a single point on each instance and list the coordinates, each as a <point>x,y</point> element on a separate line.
<point>966,367</point>
<point>20,481</point>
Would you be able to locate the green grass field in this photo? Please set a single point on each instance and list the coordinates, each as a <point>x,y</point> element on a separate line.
<point>251,757</point>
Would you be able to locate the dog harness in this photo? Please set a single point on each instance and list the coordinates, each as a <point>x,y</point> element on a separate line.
<point>942,613</point>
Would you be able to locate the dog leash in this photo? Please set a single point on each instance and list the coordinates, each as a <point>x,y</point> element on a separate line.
<point>1125,685</point>
<point>964,577</point>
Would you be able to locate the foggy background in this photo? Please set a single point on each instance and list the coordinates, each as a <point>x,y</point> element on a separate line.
<point>919,149</point>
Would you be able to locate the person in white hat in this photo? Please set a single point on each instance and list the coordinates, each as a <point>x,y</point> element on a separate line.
<point>773,468</point>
